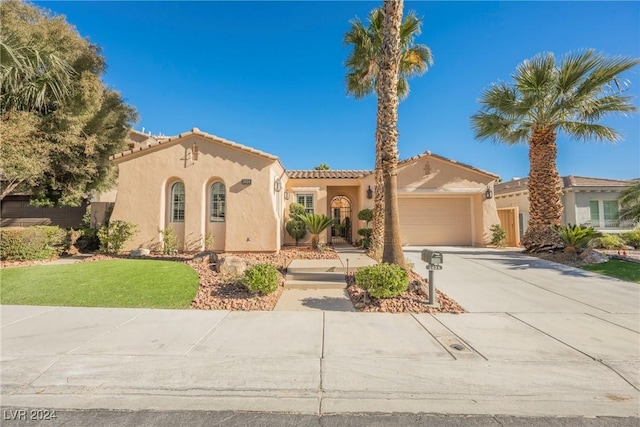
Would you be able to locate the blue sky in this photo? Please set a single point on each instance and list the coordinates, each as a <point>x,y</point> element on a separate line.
<point>270,75</point>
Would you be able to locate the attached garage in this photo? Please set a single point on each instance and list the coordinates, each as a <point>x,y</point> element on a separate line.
<point>436,221</point>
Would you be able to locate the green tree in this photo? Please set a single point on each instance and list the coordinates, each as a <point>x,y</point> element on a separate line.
<point>545,98</point>
<point>630,203</point>
<point>59,121</point>
<point>363,78</point>
<point>388,100</point>
<point>322,167</point>
<point>316,224</point>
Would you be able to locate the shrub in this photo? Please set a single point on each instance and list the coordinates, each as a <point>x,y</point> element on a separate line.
<point>383,280</point>
<point>88,241</point>
<point>632,238</point>
<point>607,241</point>
<point>296,227</point>
<point>169,240</point>
<point>261,278</point>
<point>575,236</point>
<point>32,243</point>
<point>366,237</point>
<point>498,235</point>
<point>113,236</point>
<point>366,215</point>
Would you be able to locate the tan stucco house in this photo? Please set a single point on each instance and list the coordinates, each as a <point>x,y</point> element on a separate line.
<point>585,200</point>
<point>202,185</point>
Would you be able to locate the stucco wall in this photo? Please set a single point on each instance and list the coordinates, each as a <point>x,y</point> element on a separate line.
<point>251,223</point>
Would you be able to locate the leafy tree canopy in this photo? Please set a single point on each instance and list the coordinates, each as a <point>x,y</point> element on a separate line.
<point>59,121</point>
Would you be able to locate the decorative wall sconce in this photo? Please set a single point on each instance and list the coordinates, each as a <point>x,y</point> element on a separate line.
<point>287,195</point>
<point>369,193</point>
<point>277,185</point>
<point>488,194</point>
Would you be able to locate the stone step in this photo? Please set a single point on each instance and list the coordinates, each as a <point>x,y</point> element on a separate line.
<point>316,276</point>
<point>315,265</point>
<point>314,284</point>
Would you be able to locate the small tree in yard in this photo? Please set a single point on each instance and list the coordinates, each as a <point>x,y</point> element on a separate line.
<point>367,216</point>
<point>316,224</point>
<point>114,235</point>
<point>498,235</point>
<point>296,227</point>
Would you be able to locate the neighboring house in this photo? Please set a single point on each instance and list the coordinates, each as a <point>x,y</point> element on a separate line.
<point>202,185</point>
<point>587,201</point>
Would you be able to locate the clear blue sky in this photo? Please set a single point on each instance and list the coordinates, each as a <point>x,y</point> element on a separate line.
<point>270,75</point>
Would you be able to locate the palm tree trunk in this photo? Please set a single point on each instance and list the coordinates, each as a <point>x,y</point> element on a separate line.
<point>545,192</point>
<point>377,234</point>
<point>388,100</point>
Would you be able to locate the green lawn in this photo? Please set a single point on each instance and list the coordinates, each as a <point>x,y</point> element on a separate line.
<point>114,283</point>
<point>619,269</point>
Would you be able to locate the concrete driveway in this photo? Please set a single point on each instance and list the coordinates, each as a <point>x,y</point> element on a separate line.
<point>539,340</point>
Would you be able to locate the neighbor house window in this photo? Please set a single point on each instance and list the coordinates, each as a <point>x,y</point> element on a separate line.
<point>604,213</point>
<point>217,202</point>
<point>610,208</point>
<point>594,208</point>
<point>177,202</point>
<point>305,200</point>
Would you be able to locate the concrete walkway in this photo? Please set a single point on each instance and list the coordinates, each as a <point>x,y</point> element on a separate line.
<point>320,284</point>
<point>539,340</point>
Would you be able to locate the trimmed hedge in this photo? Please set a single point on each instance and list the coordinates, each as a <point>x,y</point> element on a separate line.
<point>383,280</point>
<point>32,243</point>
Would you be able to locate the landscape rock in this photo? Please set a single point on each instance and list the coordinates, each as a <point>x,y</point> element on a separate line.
<point>139,252</point>
<point>591,256</point>
<point>233,265</point>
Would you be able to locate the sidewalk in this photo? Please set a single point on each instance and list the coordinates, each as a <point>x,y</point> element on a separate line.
<point>548,359</point>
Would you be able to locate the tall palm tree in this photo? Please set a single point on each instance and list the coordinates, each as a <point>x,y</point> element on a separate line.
<point>363,79</point>
<point>32,76</point>
<point>387,91</point>
<point>630,203</point>
<point>546,98</point>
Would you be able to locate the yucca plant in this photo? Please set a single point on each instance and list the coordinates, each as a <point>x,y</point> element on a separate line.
<point>575,236</point>
<point>316,224</point>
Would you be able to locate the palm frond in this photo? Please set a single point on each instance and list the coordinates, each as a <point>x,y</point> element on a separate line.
<point>593,109</point>
<point>499,128</point>
<point>584,131</point>
<point>535,75</point>
<point>604,75</point>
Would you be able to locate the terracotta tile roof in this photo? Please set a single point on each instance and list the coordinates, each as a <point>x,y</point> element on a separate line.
<point>570,181</point>
<point>429,153</point>
<point>582,181</point>
<point>295,174</point>
<point>198,132</point>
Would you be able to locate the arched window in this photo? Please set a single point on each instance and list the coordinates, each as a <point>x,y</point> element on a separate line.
<point>177,202</point>
<point>217,202</point>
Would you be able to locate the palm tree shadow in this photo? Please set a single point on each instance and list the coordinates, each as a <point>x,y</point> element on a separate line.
<point>328,304</point>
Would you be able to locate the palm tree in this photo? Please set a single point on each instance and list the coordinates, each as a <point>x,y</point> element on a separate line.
<point>316,224</point>
<point>630,203</point>
<point>387,91</point>
<point>546,98</point>
<point>322,167</point>
<point>363,78</point>
<point>33,77</point>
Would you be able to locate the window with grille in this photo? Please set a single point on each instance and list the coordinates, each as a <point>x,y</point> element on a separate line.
<point>610,210</point>
<point>217,200</point>
<point>177,202</point>
<point>305,200</point>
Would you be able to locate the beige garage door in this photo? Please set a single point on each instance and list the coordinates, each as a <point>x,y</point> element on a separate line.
<point>435,221</point>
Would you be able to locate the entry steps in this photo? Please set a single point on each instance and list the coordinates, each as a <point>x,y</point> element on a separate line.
<point>315,274</point>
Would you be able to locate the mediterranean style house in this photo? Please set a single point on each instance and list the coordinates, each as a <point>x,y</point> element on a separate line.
<point>590,201</point>
<point>224,196</point>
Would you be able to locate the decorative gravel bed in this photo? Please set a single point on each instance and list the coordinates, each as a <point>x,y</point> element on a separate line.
<point>411,301</point>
